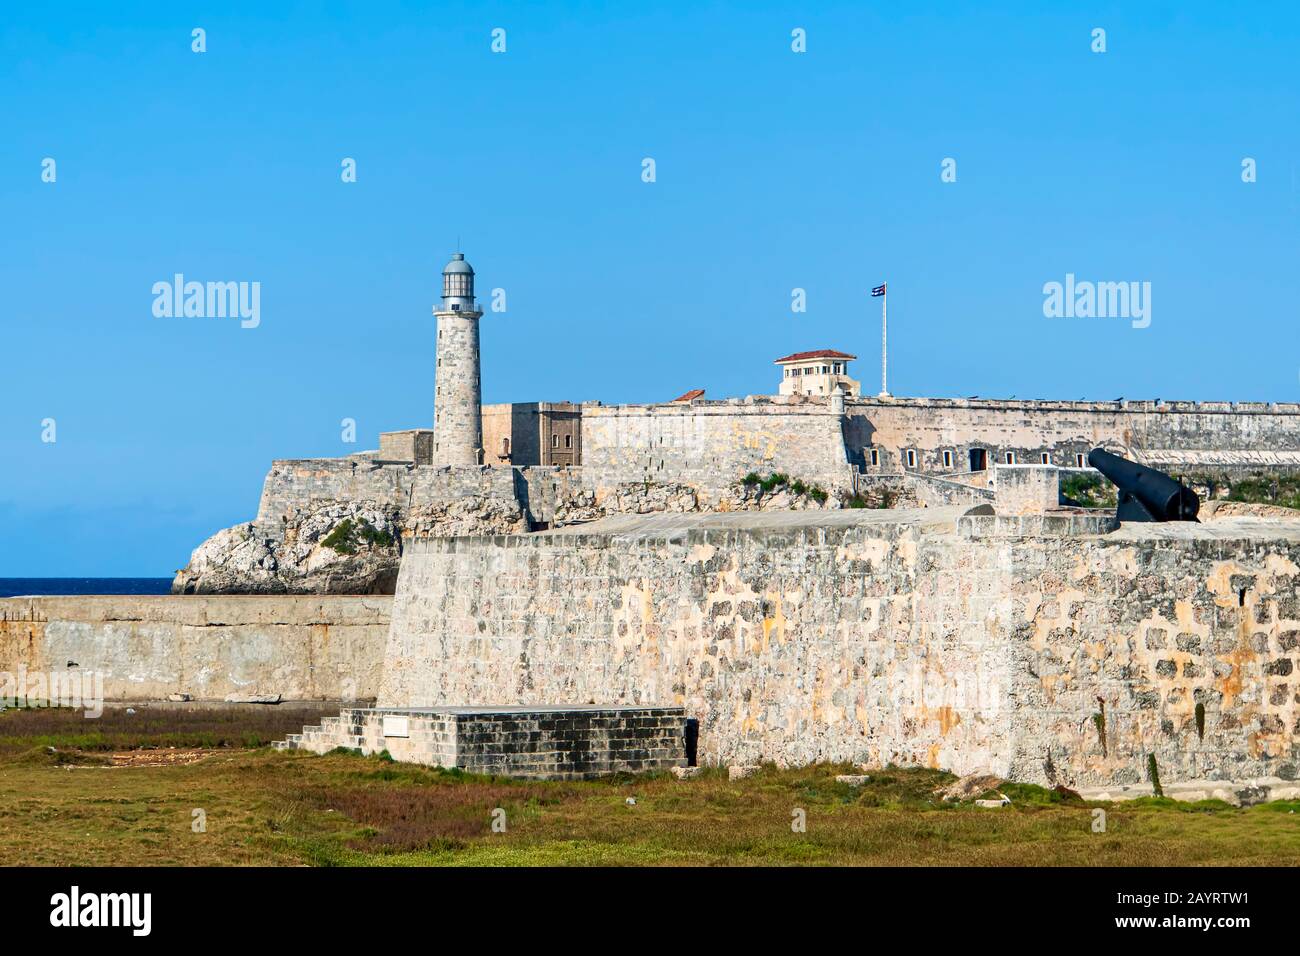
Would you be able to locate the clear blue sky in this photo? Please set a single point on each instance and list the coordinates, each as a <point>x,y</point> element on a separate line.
<point>775,170</point>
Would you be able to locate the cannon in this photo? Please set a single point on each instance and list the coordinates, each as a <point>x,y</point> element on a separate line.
<point>1144,493</point>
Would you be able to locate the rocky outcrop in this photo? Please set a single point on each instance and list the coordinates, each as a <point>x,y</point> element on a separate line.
<point>340,549</point>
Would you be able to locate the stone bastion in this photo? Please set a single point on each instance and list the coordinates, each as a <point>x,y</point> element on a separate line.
<point>1048,648</point>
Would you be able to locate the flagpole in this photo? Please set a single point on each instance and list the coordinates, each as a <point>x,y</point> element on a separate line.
<point>884,340</point>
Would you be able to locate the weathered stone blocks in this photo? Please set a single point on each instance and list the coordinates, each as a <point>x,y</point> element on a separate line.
<point>922,637</point>
<point>548,743</point>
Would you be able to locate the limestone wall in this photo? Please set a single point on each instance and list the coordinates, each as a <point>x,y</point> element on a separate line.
<point>301,647</point>
<point>310,483</point>
<point>879,636</point>
<point>714,444</point>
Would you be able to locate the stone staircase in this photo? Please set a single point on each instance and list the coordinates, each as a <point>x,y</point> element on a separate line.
<point>345,730</point>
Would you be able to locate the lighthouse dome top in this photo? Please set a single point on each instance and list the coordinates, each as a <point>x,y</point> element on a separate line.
<point>458,286</point>
<point>458,265</point>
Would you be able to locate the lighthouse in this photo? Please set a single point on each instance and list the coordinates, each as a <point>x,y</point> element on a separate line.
<point>457,400</point>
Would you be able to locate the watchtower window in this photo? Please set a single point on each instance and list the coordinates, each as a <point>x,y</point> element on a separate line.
<point>875,457</point>
<point>1045,458</point>
<point>911,458</point>
<point>947,459</point>
<point>1078,461</point>
<point>1011,458</point>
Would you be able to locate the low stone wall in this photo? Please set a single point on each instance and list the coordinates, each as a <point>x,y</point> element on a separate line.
<point>931,491</point>
<point>546,743</point>
<point>210,647</point>
<point>1043,647</point>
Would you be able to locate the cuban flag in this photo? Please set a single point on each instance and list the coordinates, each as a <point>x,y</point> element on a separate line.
<point>878,290</point>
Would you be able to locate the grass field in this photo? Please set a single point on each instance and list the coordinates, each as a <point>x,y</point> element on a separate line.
<point>116,797</point>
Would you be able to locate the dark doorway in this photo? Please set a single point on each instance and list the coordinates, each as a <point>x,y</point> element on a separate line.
<point>978,459</point>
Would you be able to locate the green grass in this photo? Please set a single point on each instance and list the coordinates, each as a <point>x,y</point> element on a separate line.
<point>1091,491</point>
<point>1257,489</point>
<point>778,480</point>
<point>1283,490</point>
<point>887,499</point>
<point>267,807</point>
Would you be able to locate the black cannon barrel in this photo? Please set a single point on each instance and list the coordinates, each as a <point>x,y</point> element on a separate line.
<point>1144,493</point>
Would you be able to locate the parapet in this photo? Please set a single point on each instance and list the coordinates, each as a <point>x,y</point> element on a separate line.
<point>1026,489</point>
<point>1118,405</point>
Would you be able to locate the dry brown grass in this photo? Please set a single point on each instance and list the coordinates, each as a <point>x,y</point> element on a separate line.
<point>115,729</point>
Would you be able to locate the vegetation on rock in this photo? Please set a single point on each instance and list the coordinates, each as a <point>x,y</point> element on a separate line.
<point>1090,491</point>
<point>348,535</point>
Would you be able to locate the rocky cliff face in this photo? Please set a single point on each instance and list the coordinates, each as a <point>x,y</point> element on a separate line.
<point>338,549</point>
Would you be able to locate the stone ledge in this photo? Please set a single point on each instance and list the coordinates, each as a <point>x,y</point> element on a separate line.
<point>1243,793</point>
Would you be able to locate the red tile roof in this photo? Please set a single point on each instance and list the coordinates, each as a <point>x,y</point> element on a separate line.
<point>690,396</point>
<point>820,353</point>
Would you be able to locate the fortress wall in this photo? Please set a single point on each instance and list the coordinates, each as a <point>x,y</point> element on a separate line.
<point>147,647</point>
<point>1064,429</point>
<point>880,637</point>
<point>787,642</point>
<point>713,444</point>
<point>1153,620</point>
<point>710,445</point>
<point>315,482</point>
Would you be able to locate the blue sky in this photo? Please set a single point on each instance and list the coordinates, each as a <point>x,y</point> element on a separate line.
<point>775,170</point>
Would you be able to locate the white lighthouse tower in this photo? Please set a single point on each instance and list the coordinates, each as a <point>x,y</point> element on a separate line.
<point>457,401</point>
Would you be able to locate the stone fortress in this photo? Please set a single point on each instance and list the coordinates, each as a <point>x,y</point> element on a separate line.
<point>811,575</point>
<point>524,467</point>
